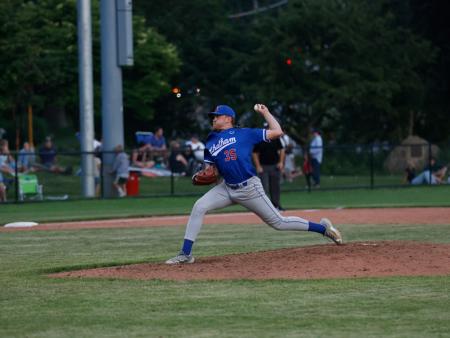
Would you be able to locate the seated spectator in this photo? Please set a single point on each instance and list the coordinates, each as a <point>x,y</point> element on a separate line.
<point>433,165</point>
<point>120,170</point>
<point>141,157</point>
<point>177,162</point>
<point>158,141</point>
<point>410,172</point>
<point>2,189</point>
<point>26,158</point>
<point>430,177</point>
<point>7,163</point>
<point>192,163</point>
<point>47,154</point>
<point>158,146</point>
<point>197,147</point>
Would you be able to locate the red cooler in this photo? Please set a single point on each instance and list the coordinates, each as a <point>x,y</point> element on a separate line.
<point>133,184</point>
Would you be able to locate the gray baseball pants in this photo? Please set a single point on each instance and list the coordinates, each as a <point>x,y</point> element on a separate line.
<point>252,197</point>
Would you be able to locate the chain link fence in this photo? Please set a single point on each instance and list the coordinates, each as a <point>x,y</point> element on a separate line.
<point>25,177</point>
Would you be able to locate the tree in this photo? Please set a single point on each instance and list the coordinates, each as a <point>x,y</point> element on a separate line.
<point>38,52</point>
<point>200,30</point>
<point>351,70</point>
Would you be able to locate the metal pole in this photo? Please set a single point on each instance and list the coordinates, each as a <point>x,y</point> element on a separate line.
<point>112,105</point>
<point>430,155</point>
<point>86,97</point>
<point>372,173</point>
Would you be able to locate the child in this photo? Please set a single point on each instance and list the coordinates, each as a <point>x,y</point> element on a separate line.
<point>120,169</point>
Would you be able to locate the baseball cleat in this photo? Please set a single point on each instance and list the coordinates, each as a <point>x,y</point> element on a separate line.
<point>331,232</point>
<point>181,259</point>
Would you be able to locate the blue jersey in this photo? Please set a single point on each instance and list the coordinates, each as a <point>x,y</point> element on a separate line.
<point>231,151</point>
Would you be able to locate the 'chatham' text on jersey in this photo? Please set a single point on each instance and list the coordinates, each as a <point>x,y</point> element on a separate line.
<point>231,151</point>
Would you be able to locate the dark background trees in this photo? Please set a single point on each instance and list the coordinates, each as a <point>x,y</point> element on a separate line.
<point>361,70</point>
<point>38,54</point>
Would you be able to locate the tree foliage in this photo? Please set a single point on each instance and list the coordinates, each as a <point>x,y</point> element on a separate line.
<point>342,66</point>
<point>353,69</point>
<point>360,69</point>
<point>39,54</point>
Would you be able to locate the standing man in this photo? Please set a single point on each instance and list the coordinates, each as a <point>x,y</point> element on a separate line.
<point>269,162</point>
<point>316,152</point>
<point>229,152</point>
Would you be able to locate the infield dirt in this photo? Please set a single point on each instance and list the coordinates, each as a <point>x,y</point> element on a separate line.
<point>355,259</point>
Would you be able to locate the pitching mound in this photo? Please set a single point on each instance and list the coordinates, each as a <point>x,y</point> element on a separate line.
<point>360,259</point>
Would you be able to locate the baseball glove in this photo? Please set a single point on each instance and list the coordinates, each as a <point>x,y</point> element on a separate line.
<point>206,176</point>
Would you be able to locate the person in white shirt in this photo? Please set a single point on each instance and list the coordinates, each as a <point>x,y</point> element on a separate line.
<point>197,147</point>
<point>316,152</point>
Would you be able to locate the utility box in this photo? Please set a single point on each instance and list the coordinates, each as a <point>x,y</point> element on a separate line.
<point>125,54</point>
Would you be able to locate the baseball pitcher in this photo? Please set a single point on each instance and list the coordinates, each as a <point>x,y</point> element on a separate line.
<point>229,153</point>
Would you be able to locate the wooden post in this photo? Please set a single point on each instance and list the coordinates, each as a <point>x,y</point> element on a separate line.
<point>30,126</point>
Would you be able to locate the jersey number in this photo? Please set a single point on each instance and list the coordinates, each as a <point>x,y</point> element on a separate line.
<point>230,155</point>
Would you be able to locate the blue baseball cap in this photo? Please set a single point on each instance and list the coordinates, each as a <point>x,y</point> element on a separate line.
<point>223,110</point>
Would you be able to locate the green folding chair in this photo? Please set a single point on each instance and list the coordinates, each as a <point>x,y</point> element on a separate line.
<point>29,186</point>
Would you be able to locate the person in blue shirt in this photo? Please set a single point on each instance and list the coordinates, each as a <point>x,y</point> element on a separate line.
<point>316,156</point>
<point>158,146</point>
<point>230,149</point>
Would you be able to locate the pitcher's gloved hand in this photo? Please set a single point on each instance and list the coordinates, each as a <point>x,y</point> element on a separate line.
<point>206,176</point>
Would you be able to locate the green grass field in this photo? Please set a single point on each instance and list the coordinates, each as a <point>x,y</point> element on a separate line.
<point>55,186</point>
<point>137,207</point>
<point>33,305</point>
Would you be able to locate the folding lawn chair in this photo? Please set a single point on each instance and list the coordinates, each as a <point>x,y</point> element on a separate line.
<point>143,137</point>
<point>29,185</point>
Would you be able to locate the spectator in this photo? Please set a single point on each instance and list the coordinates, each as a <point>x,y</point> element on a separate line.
<point>291,171</point>
<point>2,189</point>
<point>158,141</point>
<point>307,169</point>
<point>141,157</point>
<point>97,176</point>
<point>177,162</point>
<point>26,158</point>
<point>120,169</point>
<point>269,162</point>
<point>7,163</point>
<point>47,154</point>
<point>410,172</point>
<point>192,164</point>
<point>158,146</point>
<point>431,177</point>
<point>433,165</point>
<point>96,144</point>
<point>316,152</point>
<point>197,147</point>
